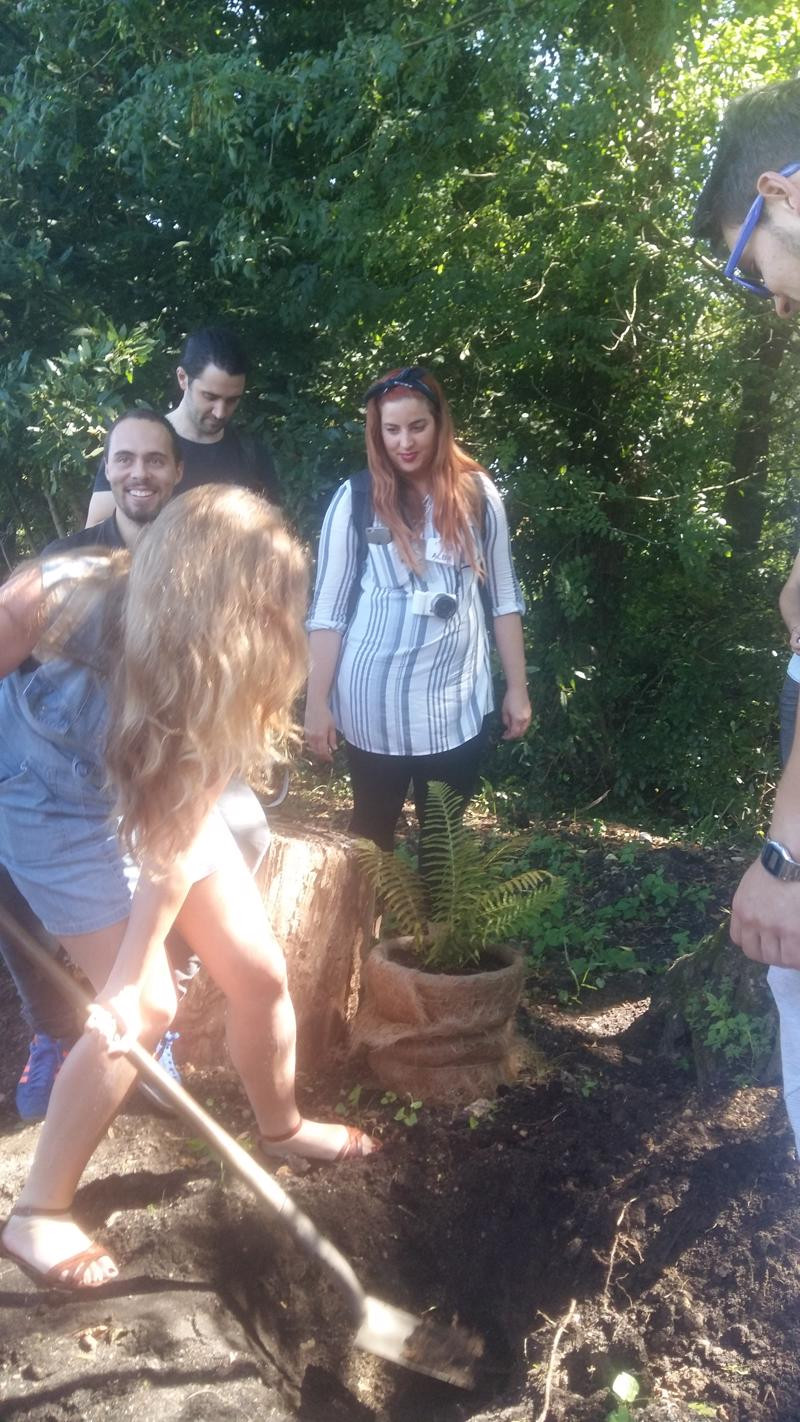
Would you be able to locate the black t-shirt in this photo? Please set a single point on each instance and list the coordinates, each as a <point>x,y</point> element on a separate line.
<point>234,459</point>
<point>100,535</point>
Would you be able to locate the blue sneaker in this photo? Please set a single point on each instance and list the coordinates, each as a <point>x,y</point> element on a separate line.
<point>45,1059</point>
<point>165,1059</point>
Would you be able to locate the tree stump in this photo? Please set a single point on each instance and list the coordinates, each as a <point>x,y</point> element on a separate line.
<point>322,912</point>
<point>717,1009</point>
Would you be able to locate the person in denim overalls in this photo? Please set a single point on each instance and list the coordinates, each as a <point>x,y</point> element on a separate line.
<point>151,688</point>
<point>143,462</point>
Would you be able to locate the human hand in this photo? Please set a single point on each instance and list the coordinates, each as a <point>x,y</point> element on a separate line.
<point>116,1020</point>
<point>516,714</point>
<point>794,638</point>
<point>765,918</point>
<point>320,732</point>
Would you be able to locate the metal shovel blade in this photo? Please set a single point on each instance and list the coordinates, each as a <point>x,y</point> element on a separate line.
<point>448,1353</point>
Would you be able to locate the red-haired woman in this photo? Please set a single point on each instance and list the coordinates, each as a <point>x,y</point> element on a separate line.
<point>399,642</point>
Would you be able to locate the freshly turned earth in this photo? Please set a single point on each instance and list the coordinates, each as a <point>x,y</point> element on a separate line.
<point>603,1192</point>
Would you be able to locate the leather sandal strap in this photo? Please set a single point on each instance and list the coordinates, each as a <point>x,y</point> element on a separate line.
<point>76,1264</point>
<point>287,1136</point>
<point>353,1148</point>
<point>34,1212</point>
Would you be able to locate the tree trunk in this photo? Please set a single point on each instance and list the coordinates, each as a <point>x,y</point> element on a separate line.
<point>54,514</point>
<point>322,912</point>
<point>762,350</point>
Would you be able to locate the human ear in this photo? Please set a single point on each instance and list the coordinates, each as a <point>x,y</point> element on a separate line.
<point>778,187</point>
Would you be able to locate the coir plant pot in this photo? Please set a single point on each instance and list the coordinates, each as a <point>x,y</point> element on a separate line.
<point>444,1037</point>
<point>439,995</point>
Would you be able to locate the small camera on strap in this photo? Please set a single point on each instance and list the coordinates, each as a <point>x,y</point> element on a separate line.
<point>434,604</point>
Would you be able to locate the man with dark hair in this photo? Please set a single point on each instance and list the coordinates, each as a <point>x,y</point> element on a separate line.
<point>143,458</point>
<point>751,204</point>
<point>144,467</point>
<point>211,377</point>
<point>751,201</point>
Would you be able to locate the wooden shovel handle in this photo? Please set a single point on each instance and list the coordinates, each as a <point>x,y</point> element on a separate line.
<point>263,1185</point>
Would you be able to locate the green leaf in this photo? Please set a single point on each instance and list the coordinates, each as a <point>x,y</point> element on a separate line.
<point>626,1387</point>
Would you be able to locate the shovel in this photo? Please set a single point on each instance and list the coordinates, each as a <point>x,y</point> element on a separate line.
<point>449,1354</point>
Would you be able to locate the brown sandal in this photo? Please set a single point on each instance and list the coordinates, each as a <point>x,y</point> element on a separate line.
<point>277,1148</point>
<point>73,1267</point>
<point>353,1148</point>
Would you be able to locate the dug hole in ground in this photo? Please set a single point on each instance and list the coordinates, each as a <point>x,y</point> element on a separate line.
<point>602,1216</point>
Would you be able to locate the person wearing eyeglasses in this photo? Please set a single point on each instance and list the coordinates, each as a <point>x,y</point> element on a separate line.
<point>414,563</point>
<point>751,204</point>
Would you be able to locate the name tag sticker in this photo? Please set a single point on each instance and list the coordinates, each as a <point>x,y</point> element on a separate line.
<point>435,552</point>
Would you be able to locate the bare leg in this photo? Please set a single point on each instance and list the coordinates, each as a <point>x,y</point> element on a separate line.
<point>88,1091</point>
<point>224,921</point>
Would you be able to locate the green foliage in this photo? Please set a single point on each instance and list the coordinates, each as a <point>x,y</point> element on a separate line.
<point>352,1105</point>
<point>407,1112</point>
<point>54,411</point>
<point>626,1387</point>
<point>503,193</point>
<point>597,933</point>
<point>351,1101</point>
<point>465,901</point>
<point>742,1038</point>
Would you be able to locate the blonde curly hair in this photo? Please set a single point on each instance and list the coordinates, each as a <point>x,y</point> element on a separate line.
<point>212,656</point>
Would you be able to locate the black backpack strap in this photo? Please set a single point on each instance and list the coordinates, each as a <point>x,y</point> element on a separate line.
<point>361,515</point>
<point>258,466</point>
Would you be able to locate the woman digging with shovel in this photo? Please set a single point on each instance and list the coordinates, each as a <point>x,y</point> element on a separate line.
<point>157,678</point>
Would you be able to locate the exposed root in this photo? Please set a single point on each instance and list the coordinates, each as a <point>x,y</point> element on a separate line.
<point>551,1366</point>
<point>612,1256</point>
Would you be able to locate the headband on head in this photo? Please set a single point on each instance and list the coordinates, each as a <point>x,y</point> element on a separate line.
<point>412,378</point>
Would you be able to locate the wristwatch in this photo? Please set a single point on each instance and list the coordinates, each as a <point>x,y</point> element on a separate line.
<point>778,861</point>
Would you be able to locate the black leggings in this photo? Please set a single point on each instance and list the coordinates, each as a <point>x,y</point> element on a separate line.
<point>380,783</point>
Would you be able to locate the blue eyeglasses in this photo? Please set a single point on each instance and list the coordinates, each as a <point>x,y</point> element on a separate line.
<point>748,227</point>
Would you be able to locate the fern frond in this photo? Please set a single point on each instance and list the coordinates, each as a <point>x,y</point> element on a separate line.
<point>503,923</point>
<point>463,902</point>
<point>492,910</point>
<point>452,855</point>
<point>399,885</point>
<point>505,850</point>
<point>497,895</point>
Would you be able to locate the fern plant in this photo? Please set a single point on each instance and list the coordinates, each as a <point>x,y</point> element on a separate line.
<point>464,901</point>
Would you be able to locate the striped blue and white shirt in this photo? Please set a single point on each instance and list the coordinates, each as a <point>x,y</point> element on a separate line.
<point>410,684</point>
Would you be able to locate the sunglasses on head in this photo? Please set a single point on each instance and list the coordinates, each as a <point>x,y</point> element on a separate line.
<point>412,378</point>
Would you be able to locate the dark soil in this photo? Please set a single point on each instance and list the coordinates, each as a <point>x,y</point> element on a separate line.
<point>601,1217</point>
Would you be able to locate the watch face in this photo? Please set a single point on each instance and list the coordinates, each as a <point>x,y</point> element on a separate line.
<point>778,861</point>
<point>772,858</point>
